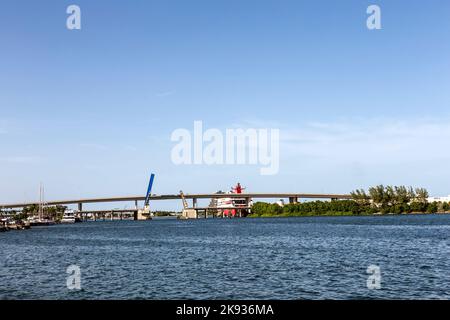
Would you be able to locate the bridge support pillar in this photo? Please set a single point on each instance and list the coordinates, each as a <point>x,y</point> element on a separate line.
<point>293,200</point>
<point>141,215</point>
<point>80,206</point>
<point>194,202</point>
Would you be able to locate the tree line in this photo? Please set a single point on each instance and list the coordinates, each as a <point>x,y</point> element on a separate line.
<point>397,199</point>
<point>377,200</point>
<point>54,213</point>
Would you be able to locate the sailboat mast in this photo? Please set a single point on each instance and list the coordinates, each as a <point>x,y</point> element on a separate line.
<point>40,201</point>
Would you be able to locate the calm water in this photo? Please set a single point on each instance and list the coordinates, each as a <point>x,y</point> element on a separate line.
<point>284,258</point>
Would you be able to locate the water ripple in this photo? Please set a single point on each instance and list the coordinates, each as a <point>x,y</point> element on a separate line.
<point>288,258</point>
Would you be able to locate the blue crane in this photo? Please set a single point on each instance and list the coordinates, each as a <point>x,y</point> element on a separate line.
<point>149,190</point>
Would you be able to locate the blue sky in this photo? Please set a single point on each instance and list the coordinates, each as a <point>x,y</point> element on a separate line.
<point>90,112</point>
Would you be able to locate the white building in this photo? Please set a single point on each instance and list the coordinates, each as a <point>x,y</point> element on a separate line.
<point>439,199</point>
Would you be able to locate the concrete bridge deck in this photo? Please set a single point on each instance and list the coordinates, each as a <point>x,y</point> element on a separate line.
<point>186,196</point>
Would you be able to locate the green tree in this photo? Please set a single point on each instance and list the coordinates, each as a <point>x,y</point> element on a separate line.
<point>422,195</point>
<point>389,196</point>
<point>20,216</point>
<point>432,207</point>
<point>377,195</point>
<point>260,208</point>
<point>361,197</point>
<point>396,199</point>
<point>418,206</point>
<point>402,195</point>
<point>31,209</point>
<point>411,194</point>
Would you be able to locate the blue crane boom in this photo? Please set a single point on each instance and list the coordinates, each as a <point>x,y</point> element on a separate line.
<point>149,190</point>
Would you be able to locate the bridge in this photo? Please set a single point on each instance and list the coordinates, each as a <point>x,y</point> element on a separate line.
<point>293,198</point>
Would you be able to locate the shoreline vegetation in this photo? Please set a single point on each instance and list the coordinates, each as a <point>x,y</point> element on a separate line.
<point>379,200</point>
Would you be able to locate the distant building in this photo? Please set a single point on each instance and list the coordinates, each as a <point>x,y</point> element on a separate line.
<point>439,199</point>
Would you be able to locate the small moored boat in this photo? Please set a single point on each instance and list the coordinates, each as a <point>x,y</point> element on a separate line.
<point>68,219</point>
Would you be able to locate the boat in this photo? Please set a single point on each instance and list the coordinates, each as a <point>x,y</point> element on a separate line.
<point>71,216</point>
<point>3,225</point>
<point>12,225</point>
<point>230,206</point>
<point>22,225</point>
<point>68,219</point>
<point>40,222</point>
